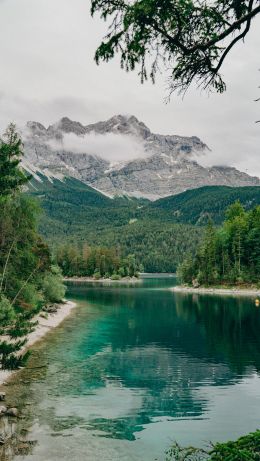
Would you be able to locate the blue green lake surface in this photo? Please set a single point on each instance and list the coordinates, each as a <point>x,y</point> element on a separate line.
<point>135,368</point>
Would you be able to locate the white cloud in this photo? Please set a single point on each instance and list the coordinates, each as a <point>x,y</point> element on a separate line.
<point>111,147</point>
<point>48,71</point>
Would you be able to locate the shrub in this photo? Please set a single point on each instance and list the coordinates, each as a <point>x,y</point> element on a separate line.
<point>246,448</point>
<point>53,287</point>
<point>121,271</point>
<point>7,313</point>
<point>97,275</point>
<point>115,277</point>
<point>30,296</point>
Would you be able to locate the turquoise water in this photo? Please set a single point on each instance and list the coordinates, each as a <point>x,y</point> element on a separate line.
<point>137,367</point>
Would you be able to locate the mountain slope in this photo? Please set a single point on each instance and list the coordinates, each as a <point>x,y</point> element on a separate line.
<point>75,214</point>
<point>197,205</point>
<point>144,164</point>
<point>72,210</point>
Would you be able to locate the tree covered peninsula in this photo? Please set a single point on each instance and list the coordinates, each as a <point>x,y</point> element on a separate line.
<point>228,255</point>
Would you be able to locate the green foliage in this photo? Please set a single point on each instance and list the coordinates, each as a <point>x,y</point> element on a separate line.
<point>14,361</point>
<point>197,206</point>
<point>97,275</point>
<point>115,277</point>
<point>7,312</point>
<point>23,255</point>
<point>11,176</point>
<point>229,255</point>
<point>150,33</point>
<point>27,280</point>
<point>52,286</point>
<point>95,261</point>
<point>246,448</point>
<point>153,231</point>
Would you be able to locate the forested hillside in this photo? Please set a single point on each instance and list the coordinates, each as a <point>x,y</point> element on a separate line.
<point>77,214</point>
<point>196,206</point>
<point>159,233</point>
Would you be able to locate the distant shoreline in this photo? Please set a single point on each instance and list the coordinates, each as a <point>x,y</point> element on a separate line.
<point>42,328</point>
<point>107,280</point>
<point>218,291</point>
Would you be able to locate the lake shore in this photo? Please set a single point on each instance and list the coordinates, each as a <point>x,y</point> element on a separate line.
<point>218,291</point>
<point>104,280</point>
<point>44,325</point>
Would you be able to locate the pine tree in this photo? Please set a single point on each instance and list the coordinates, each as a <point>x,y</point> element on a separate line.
<point>11,175</point>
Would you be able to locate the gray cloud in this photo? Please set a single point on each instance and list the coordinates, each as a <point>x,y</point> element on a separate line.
<point>48,72</point>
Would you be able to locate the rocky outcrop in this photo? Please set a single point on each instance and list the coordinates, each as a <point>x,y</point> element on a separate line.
<point>165,167</point>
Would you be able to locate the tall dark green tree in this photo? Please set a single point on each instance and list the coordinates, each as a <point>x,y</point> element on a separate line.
<point>12,176</point>
<point>207,255</point>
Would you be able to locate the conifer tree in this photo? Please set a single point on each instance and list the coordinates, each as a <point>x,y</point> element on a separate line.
<point>11,175</point>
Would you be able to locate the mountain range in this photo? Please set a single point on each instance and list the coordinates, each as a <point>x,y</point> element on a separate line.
<point>121,156</point>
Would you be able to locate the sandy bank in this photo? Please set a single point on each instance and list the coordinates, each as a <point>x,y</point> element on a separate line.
<point>43,327</point>
<point>218,291</point>
<point>106,281</point>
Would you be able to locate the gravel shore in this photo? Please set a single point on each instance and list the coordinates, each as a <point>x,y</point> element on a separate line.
<point>252,292</point>
<point>43,327</point>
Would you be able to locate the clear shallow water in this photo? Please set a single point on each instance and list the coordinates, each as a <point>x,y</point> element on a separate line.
<point>137,367</point>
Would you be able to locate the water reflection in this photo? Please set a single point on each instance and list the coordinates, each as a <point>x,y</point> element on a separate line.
<point>134,358</point>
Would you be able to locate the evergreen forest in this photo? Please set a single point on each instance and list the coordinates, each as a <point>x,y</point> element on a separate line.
<point>29,279</point>
<point>160,234</point>
<point>227,255</point>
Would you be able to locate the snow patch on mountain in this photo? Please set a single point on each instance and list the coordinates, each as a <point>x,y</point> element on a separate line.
<point>122,156</point>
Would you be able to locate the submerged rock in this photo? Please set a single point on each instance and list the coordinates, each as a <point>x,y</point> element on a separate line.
<point>2,396</point>
<point>3,410</point>
<point>12,412</point>
<point>51,308</point>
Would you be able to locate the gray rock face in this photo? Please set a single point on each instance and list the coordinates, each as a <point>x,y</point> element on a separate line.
<point>165,167</point>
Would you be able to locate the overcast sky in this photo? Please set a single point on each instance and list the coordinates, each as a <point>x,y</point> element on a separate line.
<point>48,71</point>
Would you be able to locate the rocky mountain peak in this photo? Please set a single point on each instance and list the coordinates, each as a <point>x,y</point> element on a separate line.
<point>36,127</point>
<point>121,124</point>
<point>66,125</point>
<point>161,165</point>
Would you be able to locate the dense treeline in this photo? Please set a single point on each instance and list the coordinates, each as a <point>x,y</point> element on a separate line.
<point>96,261</point>
<point>160,234</point>
<point>76,214</point>
<point>157,246</point>
<point>228,255</point>
<point>28,279</point>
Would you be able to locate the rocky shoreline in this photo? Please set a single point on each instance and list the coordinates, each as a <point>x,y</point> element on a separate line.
<point>251,292</point>
<point>46,321</point>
